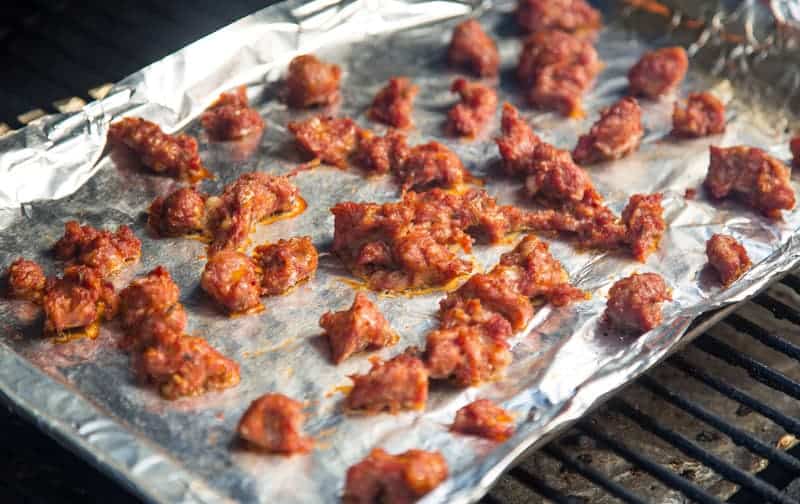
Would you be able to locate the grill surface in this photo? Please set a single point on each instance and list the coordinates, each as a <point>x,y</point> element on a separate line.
<point>717,422</point>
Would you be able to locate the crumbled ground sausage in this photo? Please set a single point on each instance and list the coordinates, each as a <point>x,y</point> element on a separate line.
<point>230,117</point>
<point>394,479</point>
<point>658,72</point>
<point>634,303</point>
<point>180,213</point>
<point>466,355</point>
<point>471,48</point>
<point>476,108</point>
<point>616,134</point>
<point>233,280</point>
<point>358,328</point>
<point>102,250</point>
<point>567,15</point>
<point>394,103</point>
<point>285,264</point>
<point>644,223</point>
<point>77,300</point>
<point>431,165</point>
<point>398,384</point>
<point>274,423</point>
<point>311,82</point>
<point>381,154</point>
<point>332,140</point>
<point>26,280</point>
<point>703,115</point>
<point>728,258</point>
<point>485,419</point>
<point>150,310</point>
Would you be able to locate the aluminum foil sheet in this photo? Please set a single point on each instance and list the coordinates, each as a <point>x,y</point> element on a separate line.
<point>84,392</point>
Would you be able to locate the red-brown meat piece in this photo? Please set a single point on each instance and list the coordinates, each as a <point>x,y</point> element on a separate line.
<point>752,176</point>
<point>472,313</point>
<point>358,328</point>
<point>232,279</point>
<point>658,72</point>
<point>330,139</point>
<point>566,15</point>
<point>150,310</point>
<point>394,479</point>
<point>243,203</point>
<point>26,280</point>
<point>274,423</point>
<point>182,212</point>
<point>431,164</point>
<point>497,294</point>
<point>634,303</point>
<point>644,223</point>
<point>615,135</point>
<point>466,355</point>
<point>560,182</point>
<point>394,385</point>
<point>394,103</point>
<point>187,366</point>
<point>703,115</point>
<point>518,143</point>
<point>176,156</point>
<point>285,264</point>
<point>471,48</point>
<point>476,108</point>
<point>230,117</point>
<point>485,419</point>
<point>77,300</point>
<point>102,250</point>
<point>728,258</point>
<point>381,154</point>
<point>556,68</point>
<point>311,82</point>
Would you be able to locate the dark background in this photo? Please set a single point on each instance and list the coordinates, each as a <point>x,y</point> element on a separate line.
<point>56,49</point>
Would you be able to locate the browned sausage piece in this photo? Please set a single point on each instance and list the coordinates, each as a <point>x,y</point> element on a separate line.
<point>26,280</point>
<point>471,48</point>
<point>634,303</point>
<point>176,156</point>
<point>518,142</point>
<point>182,212</point>
<point>394,479</point>
<point>615,135</point>
<point>311,82</point>
<point>232,279</point>
<point>497,294</point>
<point>431,164</point>
<point>567,15</point>
<point>561,181</point>
<point>230,117</point>
<point>394,103</point>
<point>658,72</point>
<point>644,223</point>
<point>150,310</point>
<point>77,300</point>
<point>485,419</point>
<point>285,264</point>
<point>330,139</point>
<point>472,313</point>
<point>703,115</point>
<point>476,108</point>
<point>728,258</point>
<point>102,250</point>
<point>466,355</point>
<point>398,384</point>
<point>381,154</point>
<point>752,176</point>
<point>274,423</point>
<point>359,328</point>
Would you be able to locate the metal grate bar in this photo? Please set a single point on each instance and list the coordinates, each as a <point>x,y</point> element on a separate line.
<point>754,368</point>
<point>738,436</point>
<point>690,449</point>
<point>539,486</point>
<point>788,423</point>
<point>778,309</point>
<point>792,281</point>
<point>666,476</point>
<point>593,475</point>
<point>763,336</point>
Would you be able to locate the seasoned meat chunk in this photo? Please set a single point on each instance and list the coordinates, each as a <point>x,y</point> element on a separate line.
<point>285,264</point>
<point>431,164</point>
<point>703,115</point>
<point>644,223</point>
<point>359,328</point>
<point>658,72</point>
<point>615,135</point>
<point>497,294</point>
<point>77,300</point>
<point>566,15</point>
<point>232,279</point>
<point>274,423</point>
<point>150,310</point>
<point>728,258</point>
<point>176,156</point>
<point>394,103</point>
<point>561,181</point>
<point>230,117</point>
<point>472,313</point>
<point>246,201</point>
<point>466,355</point>
<point>394,479</point>
<point>472,49</point>
<point>518,142</point>
<point>311,82</point>
<point>102,250</point>
<point>634,303</point>
<point>485,419</point>
<point>330,139</point>
<point>476,108</point>
<point>752,176</point>
<point>394,385</point>
<point>182,212</point>
<point>187,366</point>
<point>381,154</point>
<point>26,280</point>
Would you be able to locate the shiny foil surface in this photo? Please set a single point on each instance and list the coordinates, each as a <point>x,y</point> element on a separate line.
<point>84,392</point>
